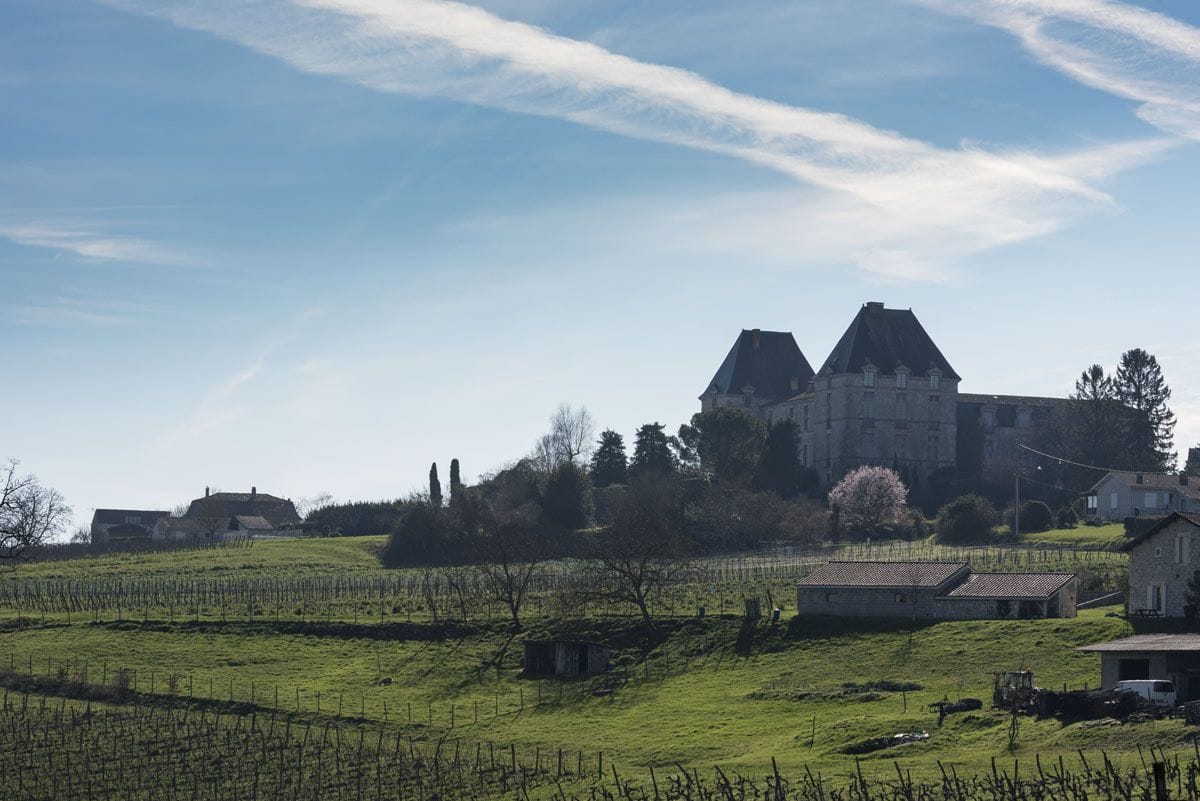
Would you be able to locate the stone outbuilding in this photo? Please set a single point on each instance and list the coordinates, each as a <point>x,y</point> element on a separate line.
<point>1161,562</point>
<point>1171,657</point>
<point>566,658</point>
<point>933,591</point>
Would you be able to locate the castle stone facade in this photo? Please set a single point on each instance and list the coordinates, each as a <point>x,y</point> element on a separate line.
<point>886,396</point>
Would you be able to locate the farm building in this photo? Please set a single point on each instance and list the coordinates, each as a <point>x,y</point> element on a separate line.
<point>1172,657</point>
<point>124,524</point>
<point>280,512</point>
<point>933,591</point>
<point>566,658</point>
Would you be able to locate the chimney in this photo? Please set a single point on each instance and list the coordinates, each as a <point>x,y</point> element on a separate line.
<point>756,337</point>
<point>875,306</point>
<point>206,492</point>
<point>253,492</point>
<point>1137,479</point>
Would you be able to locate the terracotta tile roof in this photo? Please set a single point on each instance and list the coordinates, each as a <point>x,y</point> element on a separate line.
<point>883,574</point>
<point>1148,642</point>
<point>1011,585</point>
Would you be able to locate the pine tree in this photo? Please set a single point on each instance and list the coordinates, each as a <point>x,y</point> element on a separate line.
<point>1149,434</point>
<point>609,463</point>
<point>435,488</point>
<point>455,483</point>
<point>1097,425</point>
<point>652,451</point>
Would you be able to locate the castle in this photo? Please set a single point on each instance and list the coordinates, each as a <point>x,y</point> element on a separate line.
<point>886,395</point>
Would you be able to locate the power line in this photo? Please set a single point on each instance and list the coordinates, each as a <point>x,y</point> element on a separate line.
<point>1064,460</point>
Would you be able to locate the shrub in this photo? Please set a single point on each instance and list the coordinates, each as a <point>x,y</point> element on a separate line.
<point>1035,517</point>
<point>1066,518</point>
<point>967,518</point>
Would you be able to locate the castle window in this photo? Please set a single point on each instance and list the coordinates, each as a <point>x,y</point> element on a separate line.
<point>1023,418</point>
<point>806,417</point>
<point>868,408</point>
<point>804,455</point>
<point>901,410</point>
<point>901,379</point>
<point>931,448</point>
<point>868,376</point>
<point>989,446</point>
<point>935,380</point>
<point>868,444</point>
<point>989,419</point>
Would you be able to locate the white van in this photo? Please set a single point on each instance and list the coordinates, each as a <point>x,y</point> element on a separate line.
<point>1156,690</point>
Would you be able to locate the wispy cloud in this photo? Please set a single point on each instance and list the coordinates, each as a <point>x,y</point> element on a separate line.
<point>1118,48</point>
<point>949,201</point>
<point>89,242</point>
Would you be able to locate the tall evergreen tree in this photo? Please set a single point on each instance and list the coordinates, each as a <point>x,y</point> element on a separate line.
<point>652,451</point>
<point>727,442</point>
<point>1139,386</point>
<point>779,469</point>
<point>567,500</point>
<point>456,486</point>
<point>1095,432</point>
<point>435,488</point>
<point>609,463</point>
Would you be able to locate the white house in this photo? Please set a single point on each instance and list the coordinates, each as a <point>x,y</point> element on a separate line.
<point>1121,494</point>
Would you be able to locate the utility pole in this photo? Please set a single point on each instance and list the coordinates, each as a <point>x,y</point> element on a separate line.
<point>1017,506</point>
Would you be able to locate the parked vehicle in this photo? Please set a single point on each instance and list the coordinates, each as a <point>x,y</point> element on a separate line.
<point>1156,690</point>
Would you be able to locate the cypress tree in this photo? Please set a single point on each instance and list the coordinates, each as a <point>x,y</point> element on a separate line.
<point>455,482</point>
<point>779,469</point>
<point>652,451</point>
<point>435,488</point>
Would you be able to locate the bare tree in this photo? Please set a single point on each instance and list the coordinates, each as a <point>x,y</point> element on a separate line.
<point>512,548</point>
<point>306,506</point>
<point>642,553</point>
<point>572,432</point>
<point>30,514</point>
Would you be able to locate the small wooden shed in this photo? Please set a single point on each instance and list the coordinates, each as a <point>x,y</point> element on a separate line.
<point>566,658</point>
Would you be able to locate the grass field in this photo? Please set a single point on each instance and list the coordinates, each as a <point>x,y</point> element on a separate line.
<point>1106,537</point>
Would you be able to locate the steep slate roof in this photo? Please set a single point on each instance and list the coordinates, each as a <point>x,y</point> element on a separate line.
<point>1037,586</point>
<point>1148,642</point>
<point>1012,400</point>
<point>278,511</point>
<point>887,338</point>
<point>1156,481</point>
<point>1159,526</point>
<point>253,522</point>
<point>112,517</point>
<point>896,575</point>
<point>765,360</point>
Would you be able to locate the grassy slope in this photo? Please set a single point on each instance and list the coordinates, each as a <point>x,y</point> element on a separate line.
<point>1107,537</point>
<point>695,707</point>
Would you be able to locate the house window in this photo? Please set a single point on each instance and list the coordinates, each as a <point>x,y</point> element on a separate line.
<point>1151,500</point>
<point>1092,503</point>
<point>868,408</point>
<point>935,381</point>
<point>1183,549</point>
<point>1112,500</point>
<point>901,380</point>
<point>868,378</point>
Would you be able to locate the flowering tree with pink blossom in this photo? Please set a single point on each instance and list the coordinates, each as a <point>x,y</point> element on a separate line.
<point>868,497</point>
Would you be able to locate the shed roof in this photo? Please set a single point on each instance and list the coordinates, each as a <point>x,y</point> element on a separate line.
<point>1147,642</point>
<point>1011,585</point>
<point>253,522</point>
<point>883,574</point>
<point>1159,526</point>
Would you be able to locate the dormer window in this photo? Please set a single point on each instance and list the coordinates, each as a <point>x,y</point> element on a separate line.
<point>901,379</point>
<point>869,376</point>
<point>935,380</point>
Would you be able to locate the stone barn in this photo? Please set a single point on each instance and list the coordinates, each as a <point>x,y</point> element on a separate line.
<point>933,591</point>
<point>566,658</point>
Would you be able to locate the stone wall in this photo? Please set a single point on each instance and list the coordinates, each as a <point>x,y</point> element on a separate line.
<point>1156,562</point>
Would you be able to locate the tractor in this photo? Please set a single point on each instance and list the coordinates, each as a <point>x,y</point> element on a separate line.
<point>1014,690</point>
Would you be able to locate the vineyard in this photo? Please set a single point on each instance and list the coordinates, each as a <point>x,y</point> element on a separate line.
<point>67,751</point>
<point>558,590</point>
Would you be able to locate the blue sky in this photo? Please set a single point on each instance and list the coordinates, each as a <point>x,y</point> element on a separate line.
<point>315,245</point>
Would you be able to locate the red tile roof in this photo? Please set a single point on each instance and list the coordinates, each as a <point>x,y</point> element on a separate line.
<point>883,574</point>
<point>1011,585</point>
